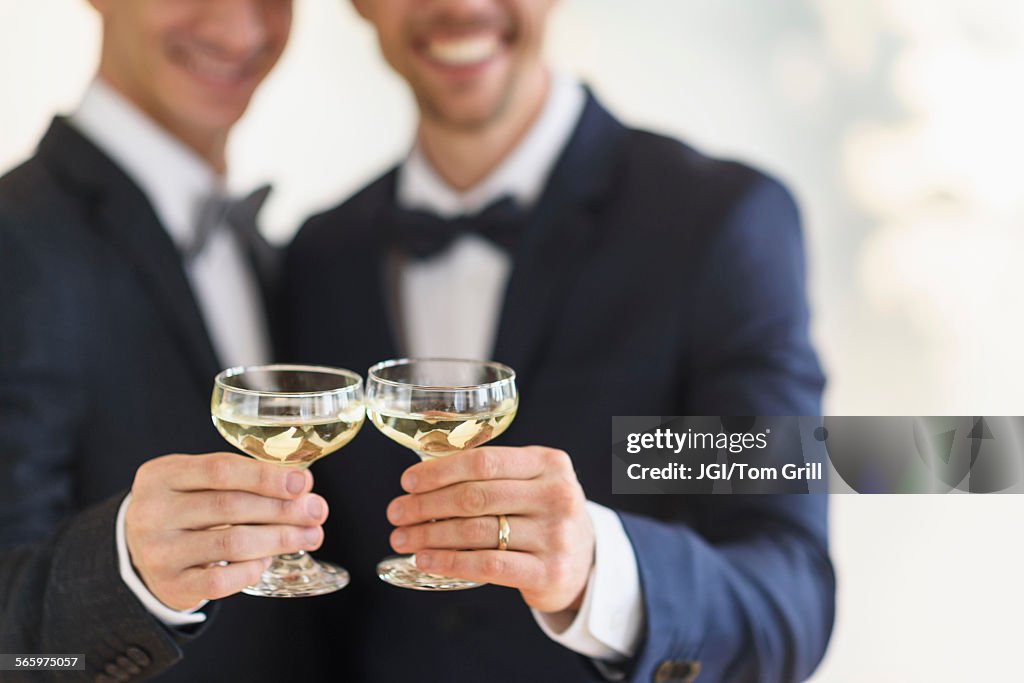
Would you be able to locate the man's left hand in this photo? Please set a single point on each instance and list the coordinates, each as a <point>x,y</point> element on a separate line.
<point>551,540</point>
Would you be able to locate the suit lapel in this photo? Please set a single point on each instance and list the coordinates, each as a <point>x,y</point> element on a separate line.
<point>267,261</point>
<point>560,235</point>
<point>123,216</point>
<point>381,314</point>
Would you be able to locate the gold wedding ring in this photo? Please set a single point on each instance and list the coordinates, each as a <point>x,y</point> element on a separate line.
<point>504,531</point>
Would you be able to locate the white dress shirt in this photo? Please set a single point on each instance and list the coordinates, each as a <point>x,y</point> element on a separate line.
<point>450,304</point>
<point>177,182</point>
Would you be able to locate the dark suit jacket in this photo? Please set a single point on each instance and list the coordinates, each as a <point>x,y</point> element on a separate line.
<point>651,281</point>
<point>104,363</point>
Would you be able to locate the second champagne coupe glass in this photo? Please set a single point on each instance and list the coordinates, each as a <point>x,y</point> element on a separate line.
<point>290,415</point>
<point>437,407</point>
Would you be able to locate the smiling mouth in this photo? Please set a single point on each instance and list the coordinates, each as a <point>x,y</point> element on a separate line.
<point>465,50</point>
<point>217,70</point>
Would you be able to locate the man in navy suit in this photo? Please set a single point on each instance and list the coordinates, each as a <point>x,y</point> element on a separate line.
<point>122,296</point>
<point>619,273</point>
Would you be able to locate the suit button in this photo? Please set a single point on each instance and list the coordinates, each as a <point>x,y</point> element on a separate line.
<point>114,671</point>
<point>676,671</point>
<point>138,655</point>
<point>128,665</point>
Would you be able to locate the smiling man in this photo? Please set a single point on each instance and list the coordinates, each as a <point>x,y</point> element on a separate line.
<point>619,273</point>
<point>130,278</point>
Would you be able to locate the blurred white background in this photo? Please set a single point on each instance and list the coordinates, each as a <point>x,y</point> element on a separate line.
<point>898,124</point>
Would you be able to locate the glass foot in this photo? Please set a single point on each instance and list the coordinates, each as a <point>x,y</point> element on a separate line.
<point>298,575</point>
<point>400,570</point>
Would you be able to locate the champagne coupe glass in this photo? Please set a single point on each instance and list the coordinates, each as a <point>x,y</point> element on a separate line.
<point>290,415</point>
<point>437,407</point>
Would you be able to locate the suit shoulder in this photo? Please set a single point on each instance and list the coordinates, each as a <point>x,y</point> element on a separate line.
<point>350,219</point>
<point>24,184</point>
<point>43,230</point>
<point>33,202</point>
<point>677,172</point>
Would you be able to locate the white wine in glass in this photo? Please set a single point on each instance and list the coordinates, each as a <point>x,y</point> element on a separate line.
<point>436,407</point>
<point>285,441</point>
<point>290,415</point>
<point>436,433</point>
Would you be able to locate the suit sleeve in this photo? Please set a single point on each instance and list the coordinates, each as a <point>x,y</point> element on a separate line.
<point>60,588</point>
<point>745,586</point>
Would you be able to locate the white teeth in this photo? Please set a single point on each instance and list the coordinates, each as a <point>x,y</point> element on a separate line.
<point>463,51</point>
<point>215,69</point>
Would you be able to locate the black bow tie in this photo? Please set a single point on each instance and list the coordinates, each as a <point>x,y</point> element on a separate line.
<point>219,211</point>
<point>422,234</point>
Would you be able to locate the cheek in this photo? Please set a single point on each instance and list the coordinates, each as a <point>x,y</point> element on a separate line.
<point>533,22</point>
<point>167,62</point>
<point>279,26</point>
<point>395,49</point>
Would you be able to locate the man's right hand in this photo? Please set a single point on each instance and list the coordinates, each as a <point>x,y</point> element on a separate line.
<point>178,501</point>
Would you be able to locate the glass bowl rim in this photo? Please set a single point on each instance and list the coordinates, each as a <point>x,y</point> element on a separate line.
<point>371,374</point>
<point>275,367</point>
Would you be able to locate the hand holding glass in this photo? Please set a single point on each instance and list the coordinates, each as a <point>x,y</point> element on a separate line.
<point>290,415</point>
<point>437,407</point>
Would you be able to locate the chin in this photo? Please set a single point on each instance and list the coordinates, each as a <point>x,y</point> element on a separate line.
<point>217,111</point>
<point>468,110</point>
<point>213,104</point>
<point>468,118</point>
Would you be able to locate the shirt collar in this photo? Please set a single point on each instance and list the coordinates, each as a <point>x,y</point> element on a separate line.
<point>174,178</point>
<point>522,174</point>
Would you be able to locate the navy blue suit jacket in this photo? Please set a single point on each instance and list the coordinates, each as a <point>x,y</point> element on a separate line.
<point>651,280</point>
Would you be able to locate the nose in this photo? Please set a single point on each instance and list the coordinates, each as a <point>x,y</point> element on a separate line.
<point>237,27</point>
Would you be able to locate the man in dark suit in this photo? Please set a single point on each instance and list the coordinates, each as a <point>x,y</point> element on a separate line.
<point>640,278</point>
<point>129,279</point>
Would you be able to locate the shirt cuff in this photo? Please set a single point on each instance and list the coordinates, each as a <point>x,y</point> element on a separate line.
<point>610,621</point>
<point>170,617</point>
